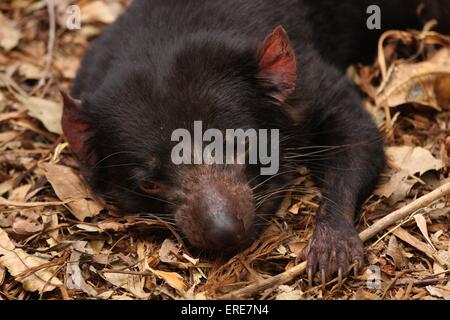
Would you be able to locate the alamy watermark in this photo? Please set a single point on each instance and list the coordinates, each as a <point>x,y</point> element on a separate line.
<point>73,20</point>
<point>230,146</point>
<point>374,277</point>
<point>374,20</point>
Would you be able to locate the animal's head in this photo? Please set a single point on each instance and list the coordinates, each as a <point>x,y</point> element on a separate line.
<point>127,136</point>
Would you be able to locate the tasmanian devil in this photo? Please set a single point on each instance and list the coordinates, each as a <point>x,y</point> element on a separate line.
<point>235,64</point>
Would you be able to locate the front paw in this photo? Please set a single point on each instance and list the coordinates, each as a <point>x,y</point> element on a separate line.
<point>333,250</point>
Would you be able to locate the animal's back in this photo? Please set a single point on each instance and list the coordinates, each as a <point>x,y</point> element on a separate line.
<point>152,30</point>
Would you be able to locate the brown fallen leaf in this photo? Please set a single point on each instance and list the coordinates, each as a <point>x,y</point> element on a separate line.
<point>18,261</point>
<point>297,247</point>
<point>27,222</point>
<point>295,208</point>
<point>173,279</point>
<point>99,11</point>
<point>426,83</point>
<point>405,236</point>
<point>69,187</point>
<point>30,71</point>
<point>48,112</point>
<point>397,188</point>
<point>68,66</point>
<point>422,224</point>
<point>112,226</point>
<point>8,185</point>
<point>362,294</point>
<point>19,193</point>
<point>9,34</point>
<point>413,160</point>
<point>7,219</point>
<point>439,292</point>
<point>288,293</point>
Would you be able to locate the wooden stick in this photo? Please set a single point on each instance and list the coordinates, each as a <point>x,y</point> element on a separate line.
<point>22,204</point>
<point>50,44</point>
<point>401,213</point>
<point>280,278</point>
<point>367,234</point>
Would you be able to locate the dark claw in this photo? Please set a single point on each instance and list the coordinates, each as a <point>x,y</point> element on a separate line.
<point>323,277</point>
<point>310,277</point>
<point>340,276</point>
<point>356,267</point>
<point>331,251</point>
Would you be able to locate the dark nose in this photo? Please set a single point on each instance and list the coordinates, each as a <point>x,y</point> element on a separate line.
<point>223,231</point>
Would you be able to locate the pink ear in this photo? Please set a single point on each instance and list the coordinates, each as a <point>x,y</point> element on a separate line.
<point>278,65</point>
<point>76,130</point>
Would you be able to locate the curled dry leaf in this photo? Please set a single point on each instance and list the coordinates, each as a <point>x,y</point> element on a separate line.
<point>69,187</point>
<point>167,250</point>
<point>395,252</point>
<point>426,83</point>
<point>18,262</point>
<point>132,283</point>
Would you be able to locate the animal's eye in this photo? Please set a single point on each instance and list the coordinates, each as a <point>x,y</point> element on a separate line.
<point>149,185</point>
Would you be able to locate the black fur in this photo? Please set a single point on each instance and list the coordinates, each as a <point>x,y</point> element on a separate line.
<point>166,63</point>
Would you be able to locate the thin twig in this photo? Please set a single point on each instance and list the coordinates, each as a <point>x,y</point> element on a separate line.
<point>267,283</point>
<point>403,212</point>
<point>50,44</point>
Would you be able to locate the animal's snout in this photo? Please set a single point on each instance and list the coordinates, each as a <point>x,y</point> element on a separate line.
<point>223,230</point>
<point>216,211</point>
